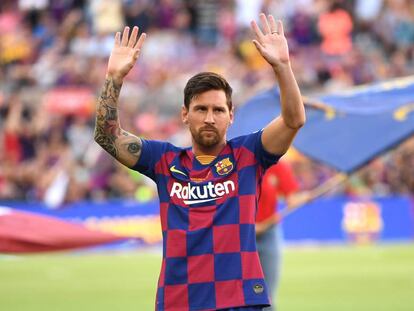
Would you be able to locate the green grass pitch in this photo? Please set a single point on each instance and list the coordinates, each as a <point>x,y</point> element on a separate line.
<point>313,278</point>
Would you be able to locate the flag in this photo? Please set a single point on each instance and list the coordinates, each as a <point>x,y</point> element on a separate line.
<point>25,232</point>
<point>345,130</point>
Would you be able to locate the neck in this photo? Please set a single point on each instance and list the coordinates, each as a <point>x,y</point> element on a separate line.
<point>213,150</point>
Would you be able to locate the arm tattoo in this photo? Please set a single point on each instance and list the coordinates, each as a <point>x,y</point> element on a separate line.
<point>134,148</point>
<point>107,127</point>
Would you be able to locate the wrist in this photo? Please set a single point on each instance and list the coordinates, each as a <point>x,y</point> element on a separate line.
<point>281,67</point>
<point>118,79</point>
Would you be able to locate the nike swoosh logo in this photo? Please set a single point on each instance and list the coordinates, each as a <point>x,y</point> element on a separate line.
<point>174,170</point>
<point>187,202</point>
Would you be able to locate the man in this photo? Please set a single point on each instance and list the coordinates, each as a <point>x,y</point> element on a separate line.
<point>277,181</point>
<point>208,192</point>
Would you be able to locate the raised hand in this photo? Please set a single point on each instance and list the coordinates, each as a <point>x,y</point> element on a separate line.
<point>125,53</point>
<point>271,42</point>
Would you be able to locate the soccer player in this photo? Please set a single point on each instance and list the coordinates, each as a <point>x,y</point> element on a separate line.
<point>208,191</point>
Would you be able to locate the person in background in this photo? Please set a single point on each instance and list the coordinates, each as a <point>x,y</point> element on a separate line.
<point>278,181</point>
<point>335,27</point>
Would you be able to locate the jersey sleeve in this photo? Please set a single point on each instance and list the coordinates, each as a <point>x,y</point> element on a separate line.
<point>151,153</point>
<point>253,142</point>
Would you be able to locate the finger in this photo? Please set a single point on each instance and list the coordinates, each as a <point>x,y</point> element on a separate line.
<point>273,26</point>
<point>258,46</point>
<point>257,31</point>
<point>133,37</point>
<point>280,29</point>
<point>125,36</point>
<point>140,41</point>
<point>117,38</point>
<point>265,24</point>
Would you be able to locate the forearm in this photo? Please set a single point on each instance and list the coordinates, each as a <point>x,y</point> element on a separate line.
<point>123,146</point>
<point>292,109</point>
<point>107,126</point>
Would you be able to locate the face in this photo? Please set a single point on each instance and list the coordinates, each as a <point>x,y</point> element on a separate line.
<point>208,118</point>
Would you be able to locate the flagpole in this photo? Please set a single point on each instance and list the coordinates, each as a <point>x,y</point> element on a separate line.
<point>300,199</point>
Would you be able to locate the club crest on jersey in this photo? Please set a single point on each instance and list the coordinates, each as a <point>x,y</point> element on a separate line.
<point>224,166</point>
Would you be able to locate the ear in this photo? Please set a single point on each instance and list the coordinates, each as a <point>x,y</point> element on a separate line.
<point>231,115</point>
<point>184,114</point>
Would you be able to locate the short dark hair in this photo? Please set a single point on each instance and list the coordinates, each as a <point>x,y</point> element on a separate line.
<point>206,81</point>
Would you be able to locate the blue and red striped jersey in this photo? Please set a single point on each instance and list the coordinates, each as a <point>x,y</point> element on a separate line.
<point>208,224</point>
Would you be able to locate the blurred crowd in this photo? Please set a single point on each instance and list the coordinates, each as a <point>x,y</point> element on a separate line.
<point>53,57</point>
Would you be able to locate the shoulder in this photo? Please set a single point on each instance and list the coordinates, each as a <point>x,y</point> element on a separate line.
<point>154,151</point>
<point>161,146</point>
<point>248,140</point>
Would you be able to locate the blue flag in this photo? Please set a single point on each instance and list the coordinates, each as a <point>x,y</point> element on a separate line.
<point>344,130</point>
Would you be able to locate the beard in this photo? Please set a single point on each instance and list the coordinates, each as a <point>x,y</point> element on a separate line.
<point>206,136</point>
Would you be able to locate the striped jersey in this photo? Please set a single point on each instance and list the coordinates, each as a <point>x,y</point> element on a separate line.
<point>207,216</point>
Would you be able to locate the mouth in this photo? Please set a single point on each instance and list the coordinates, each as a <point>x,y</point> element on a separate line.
<point>208,133</point>
<point>209,130</point>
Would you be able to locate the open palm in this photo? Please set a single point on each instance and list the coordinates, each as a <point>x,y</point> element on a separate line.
<point>271,42</point>
<point>125,52</point>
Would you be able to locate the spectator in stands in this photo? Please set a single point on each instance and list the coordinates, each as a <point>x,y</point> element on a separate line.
<point>41,43</point>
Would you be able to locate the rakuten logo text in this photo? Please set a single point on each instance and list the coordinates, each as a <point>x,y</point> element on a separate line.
<point>193,194</point>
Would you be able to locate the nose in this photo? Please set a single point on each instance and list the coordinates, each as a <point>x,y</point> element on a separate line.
<point>209,117</point>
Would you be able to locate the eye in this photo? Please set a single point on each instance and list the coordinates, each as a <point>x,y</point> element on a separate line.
<point>200,108</point>
<point>219,110</point>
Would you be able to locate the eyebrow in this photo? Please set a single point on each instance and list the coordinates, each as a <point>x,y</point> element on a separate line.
<point>215,106</point>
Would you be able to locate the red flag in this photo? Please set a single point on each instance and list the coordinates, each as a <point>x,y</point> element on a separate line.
<point>22,232</point>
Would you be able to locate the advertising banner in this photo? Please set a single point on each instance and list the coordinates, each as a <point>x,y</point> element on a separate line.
<point>32,227</point>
